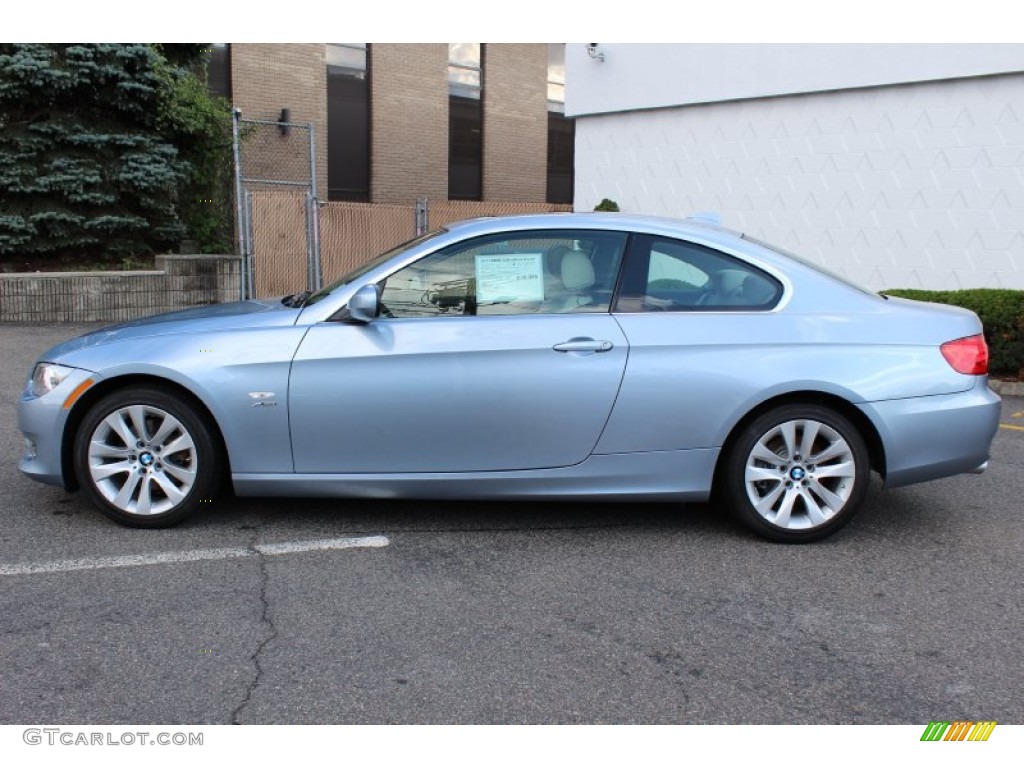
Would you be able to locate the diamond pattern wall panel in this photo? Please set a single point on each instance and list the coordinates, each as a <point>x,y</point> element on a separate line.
<point>911,186</point>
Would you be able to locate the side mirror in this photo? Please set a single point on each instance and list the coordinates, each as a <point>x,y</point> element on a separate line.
<point>363,307</point>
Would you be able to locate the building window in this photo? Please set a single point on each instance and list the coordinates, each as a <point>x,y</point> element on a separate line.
<point>218,70</point>
<point>348,122</point>
<point>556,77</point>
<point>465,122</point>
<point>561,131</point>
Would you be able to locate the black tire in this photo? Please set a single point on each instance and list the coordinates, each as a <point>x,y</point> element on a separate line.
<point>145,458</point>
<point>775,489</point>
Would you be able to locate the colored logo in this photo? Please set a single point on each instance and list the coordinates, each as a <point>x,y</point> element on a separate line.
<point>958,730</point>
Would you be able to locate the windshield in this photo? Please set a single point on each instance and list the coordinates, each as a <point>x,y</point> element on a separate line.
<point>372,264</point>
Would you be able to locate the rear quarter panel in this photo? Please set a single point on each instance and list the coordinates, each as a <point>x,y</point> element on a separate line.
<point>692,376</point>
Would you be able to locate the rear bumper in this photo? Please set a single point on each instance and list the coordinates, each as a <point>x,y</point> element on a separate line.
<point>926,438</point>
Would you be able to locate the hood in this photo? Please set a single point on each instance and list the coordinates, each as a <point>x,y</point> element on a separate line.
<point>239,314</point>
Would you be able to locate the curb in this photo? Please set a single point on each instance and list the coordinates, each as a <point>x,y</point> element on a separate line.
<point>1007,388</point>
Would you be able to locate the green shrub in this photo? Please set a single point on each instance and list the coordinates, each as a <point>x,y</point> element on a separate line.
<point>199,125</point>
<point>1001,312</point>
<point>607,205</point>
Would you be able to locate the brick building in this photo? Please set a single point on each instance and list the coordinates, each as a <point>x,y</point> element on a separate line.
<point>398,122</point>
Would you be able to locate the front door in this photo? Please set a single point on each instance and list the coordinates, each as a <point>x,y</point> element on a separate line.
<point>487,356</point>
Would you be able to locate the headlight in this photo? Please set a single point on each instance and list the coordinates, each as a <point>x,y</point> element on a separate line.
<point>46,377</point>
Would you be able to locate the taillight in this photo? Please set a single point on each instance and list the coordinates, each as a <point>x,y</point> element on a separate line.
<point>968,355</point>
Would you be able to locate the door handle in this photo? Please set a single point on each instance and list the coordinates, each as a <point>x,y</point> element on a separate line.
<point>583,344</point>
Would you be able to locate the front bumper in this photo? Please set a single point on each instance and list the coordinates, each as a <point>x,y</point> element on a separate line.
<point>927,438</point>
<point>42,421</point>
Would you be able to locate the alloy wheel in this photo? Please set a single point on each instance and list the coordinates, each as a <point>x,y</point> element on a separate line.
<point>800,474</point>
<point>142,460</point>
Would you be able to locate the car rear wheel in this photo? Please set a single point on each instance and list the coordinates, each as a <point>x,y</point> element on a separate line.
<point>797,473</point>
<point>144,457</point>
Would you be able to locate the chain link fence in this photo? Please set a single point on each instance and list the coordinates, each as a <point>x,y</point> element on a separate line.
<point>353,233</point>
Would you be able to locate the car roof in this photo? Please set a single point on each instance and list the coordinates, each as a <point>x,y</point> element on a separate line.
<point>700,225</point>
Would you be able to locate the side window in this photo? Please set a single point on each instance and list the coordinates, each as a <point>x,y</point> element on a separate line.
<point>677,276</point>
<point>544,272</point>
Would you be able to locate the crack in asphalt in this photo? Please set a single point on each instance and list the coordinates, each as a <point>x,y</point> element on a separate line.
<point>268,622</point>
<point>271,629</point>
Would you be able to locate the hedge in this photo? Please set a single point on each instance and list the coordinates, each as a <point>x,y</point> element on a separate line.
<point>1001,312</point>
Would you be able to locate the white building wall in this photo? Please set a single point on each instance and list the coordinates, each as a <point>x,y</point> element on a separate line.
<point>919,185</point>
<point>643,76</point>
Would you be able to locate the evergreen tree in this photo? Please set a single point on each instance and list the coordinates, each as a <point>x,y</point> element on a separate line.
<point>88,162</point>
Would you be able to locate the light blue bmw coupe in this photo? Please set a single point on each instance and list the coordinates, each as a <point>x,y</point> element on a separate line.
<point>557,356</point>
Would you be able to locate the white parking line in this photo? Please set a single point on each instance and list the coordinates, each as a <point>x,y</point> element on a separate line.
<point>191,555</point>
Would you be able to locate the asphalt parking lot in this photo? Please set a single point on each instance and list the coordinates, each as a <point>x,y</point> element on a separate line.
<point>398,612</point>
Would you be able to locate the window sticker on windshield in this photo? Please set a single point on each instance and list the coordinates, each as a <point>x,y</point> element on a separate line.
<point>510,277</point>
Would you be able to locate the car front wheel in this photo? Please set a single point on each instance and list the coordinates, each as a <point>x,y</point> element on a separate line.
<point>144,457</point>
<point>797,473</point>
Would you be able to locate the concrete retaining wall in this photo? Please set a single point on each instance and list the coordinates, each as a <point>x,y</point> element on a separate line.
<point>178,282</point>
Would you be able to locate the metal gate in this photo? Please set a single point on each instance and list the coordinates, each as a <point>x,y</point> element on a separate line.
<point>277,206</point>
